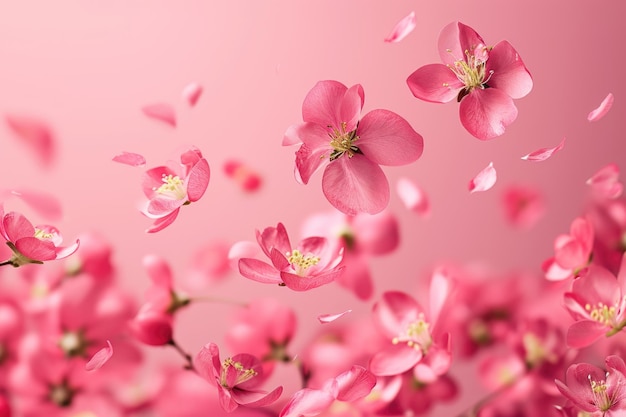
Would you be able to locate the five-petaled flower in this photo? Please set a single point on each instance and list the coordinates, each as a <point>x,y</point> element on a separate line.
<point>32,244</point>
<point>170,187</point>
<point>484,79</point>
<point>236,378</point>
<point>314,262</point>
<point>595,391</point>
<point>350,149</point>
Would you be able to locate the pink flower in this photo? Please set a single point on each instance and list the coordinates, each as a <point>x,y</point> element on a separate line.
<point>416,343</point>
<point>312,263</point>
<point>485,79</point>
<point>572,252</point>
<point>523,205</point>
<point>598,304</point>
<point>32,244</point>
<point>349,386</point>
<point>351,150</point>
<point>168,188</point>
<point>236,378</point>
<point>595,391</point>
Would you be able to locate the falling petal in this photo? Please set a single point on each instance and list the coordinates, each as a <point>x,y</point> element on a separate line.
<point>543,153</point>
<point>161,111</point>
<point>191,94</point>
<point>413,196</point>
<point>247,179</point>
<point>523,206</point>
<point>36,134</point>
<point>100,358</point>
<point>328,318</point>
<point>44,204</point>
<point>604,107</point>
<point>484,180</point>
<point>605,182</point>
<point>402,28</point>
<point>129,158</point>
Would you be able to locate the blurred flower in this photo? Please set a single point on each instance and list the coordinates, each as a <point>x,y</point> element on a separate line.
<point>572,252</point>
<point>523,206</point>
<point>485,79</point>
<point>351,150</point>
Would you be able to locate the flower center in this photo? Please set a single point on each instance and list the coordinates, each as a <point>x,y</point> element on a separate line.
<point>301,263</point>
<point>471,70</point>
<point>173,187</point>
<point>343,142</point>
<point>602,313</point>
<point>61,394</point>
<point>243,374</point>
<point>40,234</point>
<point>601,397</point>
<point>73,344</point>
<point>417,335</point>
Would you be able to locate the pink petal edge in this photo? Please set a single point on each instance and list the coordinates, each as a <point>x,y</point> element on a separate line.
<point>191,93</point>
<point>543,153</point>
<point>604,107</point>
<point>402,28</point>
<point>329,318</point>
<point>484,180</point>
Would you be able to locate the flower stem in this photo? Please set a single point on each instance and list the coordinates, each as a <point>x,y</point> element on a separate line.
<point>7,262</point>
<point>185,355</point>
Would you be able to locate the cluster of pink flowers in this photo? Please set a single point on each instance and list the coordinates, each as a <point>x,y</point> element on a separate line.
<point>73,342</point>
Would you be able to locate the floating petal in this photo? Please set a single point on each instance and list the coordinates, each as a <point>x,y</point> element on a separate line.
<point>129,158</point>
<point>191,94</point>
<point>402,28</point>
<point>161,111</point>
<point>36,134</point>
<point>484,180</point>
<point>100,358</point>
<point>413,196</point>
<point>604,107</point>
<point>543,153</point>
<point>46,205</point>
<point>329,318</point>
<point>605,182</point>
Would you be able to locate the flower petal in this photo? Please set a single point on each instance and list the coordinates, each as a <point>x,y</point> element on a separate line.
<point>354,384</point>
<point>161,111</point>
<point>36,134</point>
<point>258,271</point>
<point>456,38</point>
<point>162,222</point>
<point>16,226</point>
<point>435,83</point>
<point>584,333</point>
<point>307,402</point>
<point>36,249</point>
<point>198,180</point>
<point>129,158</point>
<point>604,107</point>
<point>314,151</point>
<point>509,72</point>
<point>484,180</point>
<point>329,318</point>
<point>191,93</point>
<point>100,358</point>
<point>402,28</point>
<point>543,153</point>
<point>605,182</point>
<point>322,104</point>
<point>45,204</point>
<point>256,398</point>
<point>394,360</point>
<point>485,113</point>
<point>413,196</point>
<point>386,138</point>
<point>355,185</point>
<point>298,283</point>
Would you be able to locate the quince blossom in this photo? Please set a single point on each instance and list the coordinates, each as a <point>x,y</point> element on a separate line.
<point>572,253</point>
<point>312,263</point>
<point>594,390</point>
<point>170,187</point>
<point>484,79</point>
<point>236,378</point>
<point>32,244</point>
<point>351,150</point>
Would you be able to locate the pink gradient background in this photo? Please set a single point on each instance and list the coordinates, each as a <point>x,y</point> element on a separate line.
<point>87,68</point>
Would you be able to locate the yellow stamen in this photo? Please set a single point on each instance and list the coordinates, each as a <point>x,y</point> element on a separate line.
<point>343,142</point>
<point>300,262</point>
<point>40,234</point>
<point>173,187</point>
<point>417,335</point>
<point>243,374</point>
